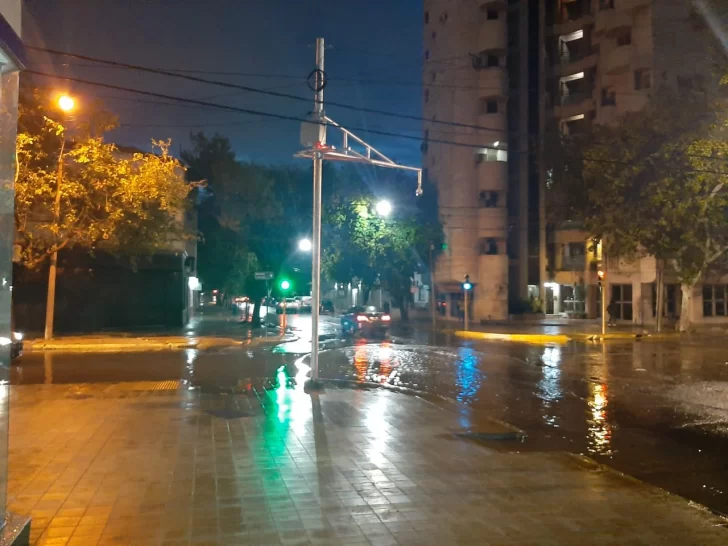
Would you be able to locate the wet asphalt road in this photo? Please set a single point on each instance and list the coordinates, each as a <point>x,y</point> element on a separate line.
<point>654,410</point>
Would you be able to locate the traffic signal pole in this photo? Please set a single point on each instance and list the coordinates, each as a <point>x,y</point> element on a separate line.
<point>352,149</point>
<point>316,240</point>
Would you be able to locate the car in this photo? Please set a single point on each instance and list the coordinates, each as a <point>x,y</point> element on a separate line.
<point>327,306</point>
<point>305,304</point>
<point>365,320</point>
<point>292,306</point>
<point>16,344</point>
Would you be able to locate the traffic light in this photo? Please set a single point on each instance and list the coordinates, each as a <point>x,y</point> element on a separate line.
<point>285,285</point>
<point>467,285</point>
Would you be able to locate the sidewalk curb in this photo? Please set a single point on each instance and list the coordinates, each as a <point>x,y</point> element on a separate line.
<point>562,339</point>
<point>137,345</point>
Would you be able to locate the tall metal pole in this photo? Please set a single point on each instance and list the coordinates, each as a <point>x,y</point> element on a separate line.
<point>316,242</point>
<point>433,300</point>
<point>467,297</point>
<point>605,291</point>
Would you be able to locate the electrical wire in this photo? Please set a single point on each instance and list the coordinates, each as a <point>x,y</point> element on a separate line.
<point>259,91</point>
<point>248,110</point>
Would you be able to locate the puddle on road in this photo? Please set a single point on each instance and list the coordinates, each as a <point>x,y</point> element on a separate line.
<point>632,405</point>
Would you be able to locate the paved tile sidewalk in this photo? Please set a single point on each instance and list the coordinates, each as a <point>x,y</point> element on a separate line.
<point>154,464</point>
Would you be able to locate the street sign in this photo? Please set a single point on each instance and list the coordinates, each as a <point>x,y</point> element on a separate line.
<point>263,275</point>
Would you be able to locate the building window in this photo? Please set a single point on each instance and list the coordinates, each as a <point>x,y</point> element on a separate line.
<point>427,17</point>
<point>642,79</point>
<point>433,76</point>
<point>491,106</point>
<point>427,54</point>
<point>488,247</point>
<point>427,95</point>
<point>714,301</point>
<point>492,14</point>
<point>434,34</point>
<point>622,296</point>
<point>624,38</point>
<point>491,154</point>
<point>609,97</point>
<point>492,61</point>
<point>670,308</point>
<point>488,199</point>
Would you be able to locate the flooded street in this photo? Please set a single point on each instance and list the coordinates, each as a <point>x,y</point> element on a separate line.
<point>657,411</point>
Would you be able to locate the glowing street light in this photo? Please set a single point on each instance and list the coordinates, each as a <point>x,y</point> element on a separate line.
<point>66,103</point>
<point>384,208</point>
<point>304,245</point>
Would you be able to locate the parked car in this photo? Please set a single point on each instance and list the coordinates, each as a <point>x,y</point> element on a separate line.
<point>365,320</point>
<point>305,304</point>
<point>16,344</point>
<point>292,306</point>
<point>327,306</point>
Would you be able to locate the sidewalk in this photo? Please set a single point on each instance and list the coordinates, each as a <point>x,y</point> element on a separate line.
<point>212,327</point>
<point>157,464</point>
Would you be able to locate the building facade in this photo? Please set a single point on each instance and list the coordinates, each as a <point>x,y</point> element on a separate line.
<point>507,76</point>
<point>13,529</point>
<point>606,58</point>
<point>477,56</point>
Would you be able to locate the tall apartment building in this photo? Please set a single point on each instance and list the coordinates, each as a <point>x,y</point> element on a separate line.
<point>606,58</point>
<point>522,71</point>
<point>479,56</point>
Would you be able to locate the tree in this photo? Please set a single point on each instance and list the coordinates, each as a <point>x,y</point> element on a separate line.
<point>654,183</point>
<point>389,250</point>
<point>81,192</point>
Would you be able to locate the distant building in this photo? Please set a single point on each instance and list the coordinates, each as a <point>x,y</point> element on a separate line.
<point>513,73</point>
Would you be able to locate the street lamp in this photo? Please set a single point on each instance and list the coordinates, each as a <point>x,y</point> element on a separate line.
<point>66,103</point>
<point>384,208</point>
<point>304,245</point>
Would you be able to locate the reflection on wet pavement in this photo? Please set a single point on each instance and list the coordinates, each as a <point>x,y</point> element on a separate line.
<point>657,411</point>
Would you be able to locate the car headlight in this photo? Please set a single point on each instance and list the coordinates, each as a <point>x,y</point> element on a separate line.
<point>18,336</point>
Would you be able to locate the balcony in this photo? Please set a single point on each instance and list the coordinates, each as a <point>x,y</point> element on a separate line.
<point>492,222</point>
<point>497,122</point>
<point>613,19</point>
<point>575,104</point>
<point>631,5</point>
<point>493,176</point>
<point>576,16</point>
<point>570,64</point>
<point>492,34</point>
<point>573,263</point>
<point>618,60</point>
<point>492,82</point>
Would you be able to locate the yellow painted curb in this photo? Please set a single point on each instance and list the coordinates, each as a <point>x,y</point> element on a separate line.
<point>523,338</point>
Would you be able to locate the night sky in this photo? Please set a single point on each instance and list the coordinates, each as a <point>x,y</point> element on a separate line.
<point>379,41</point>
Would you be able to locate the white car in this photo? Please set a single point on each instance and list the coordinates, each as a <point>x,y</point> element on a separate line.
<point>292,306</point>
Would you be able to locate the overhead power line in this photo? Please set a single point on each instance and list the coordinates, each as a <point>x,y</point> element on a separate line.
<point>248,110</point>
<point>259,91</point>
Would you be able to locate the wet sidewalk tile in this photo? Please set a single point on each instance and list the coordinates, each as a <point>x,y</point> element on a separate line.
<point>172,467</point>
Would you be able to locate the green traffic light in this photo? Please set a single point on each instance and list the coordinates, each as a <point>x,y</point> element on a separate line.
<point>285,285</point>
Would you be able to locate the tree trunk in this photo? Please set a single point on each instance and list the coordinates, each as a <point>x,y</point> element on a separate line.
<point>686,305</point>
<point>404,309</point>
<point>660,293</point>
<point>256,312</point>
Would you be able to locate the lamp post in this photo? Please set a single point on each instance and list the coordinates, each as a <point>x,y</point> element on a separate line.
<point>66,104</point>
<point>467,287</point>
